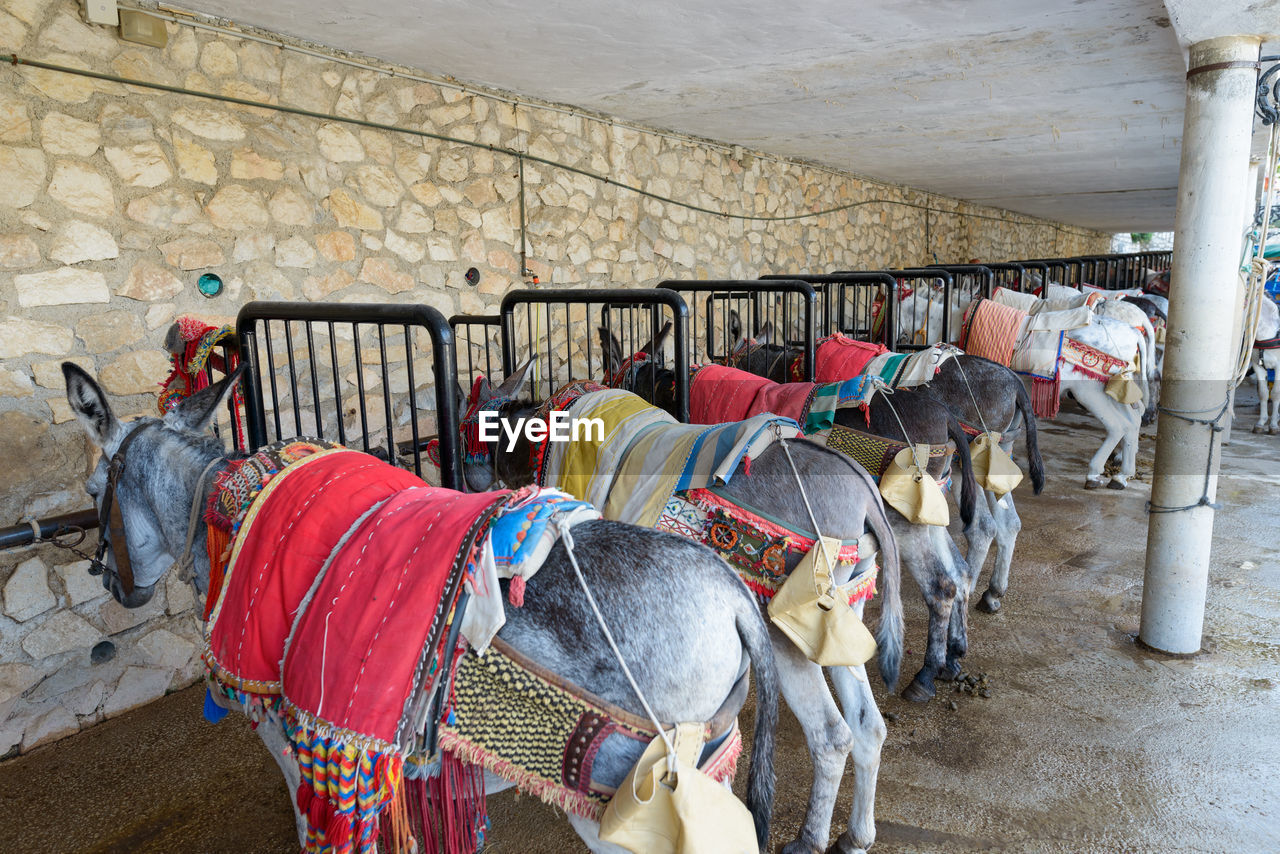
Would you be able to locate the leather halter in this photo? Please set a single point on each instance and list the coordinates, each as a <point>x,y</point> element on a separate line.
<point>111,521</point>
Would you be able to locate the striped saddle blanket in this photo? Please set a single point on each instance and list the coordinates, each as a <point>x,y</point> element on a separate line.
<point>1029,342</point>
<point>643,456</point>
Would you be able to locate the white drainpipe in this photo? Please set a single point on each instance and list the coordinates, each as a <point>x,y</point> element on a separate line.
<point>1200,353</point>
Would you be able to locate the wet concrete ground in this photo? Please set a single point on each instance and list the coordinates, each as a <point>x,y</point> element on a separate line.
<point>1088,742</point>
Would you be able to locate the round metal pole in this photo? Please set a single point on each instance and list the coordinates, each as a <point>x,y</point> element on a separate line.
<point>1200,352</point>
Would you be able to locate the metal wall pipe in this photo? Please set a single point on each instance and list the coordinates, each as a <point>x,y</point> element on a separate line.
<point>1199,355</point>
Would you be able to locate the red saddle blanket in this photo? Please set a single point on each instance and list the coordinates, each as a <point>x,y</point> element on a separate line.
<point>718,395</point>
<point>839,358</point>
<point>341,580</point>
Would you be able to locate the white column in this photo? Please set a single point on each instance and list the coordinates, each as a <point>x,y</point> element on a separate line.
<point>1199,353</point>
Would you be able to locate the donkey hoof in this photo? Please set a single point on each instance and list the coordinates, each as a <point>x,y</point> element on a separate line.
<point>800,846</point>
<point>1258,428</point>
<point>1271,431</point>
<point>846,845</point>
<point>919,691</point>
<point>1093,484</point>
<point>950,670</point>
<point>988,604</point>
<point>1116,484</point>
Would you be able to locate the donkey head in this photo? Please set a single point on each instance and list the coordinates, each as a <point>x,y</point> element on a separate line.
<point>611,348</point>
<point>151,490</point>
<point>485,463</point>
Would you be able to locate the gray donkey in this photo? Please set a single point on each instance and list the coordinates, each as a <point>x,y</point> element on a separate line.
<point>845,502</point>
<point>928,551</point>
<point>686,624</point>
<point>982,395</point>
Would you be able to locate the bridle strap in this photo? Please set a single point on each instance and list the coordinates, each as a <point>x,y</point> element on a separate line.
<point>111,519</point>
<point>185,565</point>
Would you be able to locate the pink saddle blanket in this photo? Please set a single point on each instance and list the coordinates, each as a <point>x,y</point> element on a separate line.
<point>839,358</point>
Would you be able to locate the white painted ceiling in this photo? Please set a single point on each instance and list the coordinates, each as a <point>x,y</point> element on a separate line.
<point>1065,110</point>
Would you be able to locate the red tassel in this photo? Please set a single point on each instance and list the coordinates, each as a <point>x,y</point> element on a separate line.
<point>338,832</point>
<point>515,593</point>
<point>305,796</point>
<point>746,466</point>
<point>318,813</point>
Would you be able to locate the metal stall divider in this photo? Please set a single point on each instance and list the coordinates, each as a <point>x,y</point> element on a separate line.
<point>924,332</point>
<point>972,282</point>
<point>860,305</point>
<point>478,338</point>
<point>784,302</point>
<point>1010,275</point>
<point>632,316</point>
<point>321,404</point>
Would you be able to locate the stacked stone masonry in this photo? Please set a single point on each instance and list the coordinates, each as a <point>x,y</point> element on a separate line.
<point>114,199</point>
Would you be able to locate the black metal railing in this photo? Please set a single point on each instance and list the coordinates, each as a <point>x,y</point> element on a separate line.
<point>318,369</point>
<point>557,329</point>
<point>790,306</point>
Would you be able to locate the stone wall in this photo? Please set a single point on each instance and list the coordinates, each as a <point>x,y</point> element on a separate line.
<point>114,198</point>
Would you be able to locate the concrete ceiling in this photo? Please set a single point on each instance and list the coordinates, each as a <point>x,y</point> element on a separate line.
<point>1065,110</point>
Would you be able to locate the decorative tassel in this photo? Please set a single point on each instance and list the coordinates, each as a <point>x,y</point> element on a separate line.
<point>305,796</point>
<point>338,832</point>
<point>515,593</point>
<point>1045,400</point>
<point>746,466</point>
<point>217,547</point>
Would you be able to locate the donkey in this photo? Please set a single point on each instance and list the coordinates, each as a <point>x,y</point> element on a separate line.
<point>928,552</point>
<point>685,623</point>
<point>980,394</point>
<point>845,502</point>
<point>1264,360</point>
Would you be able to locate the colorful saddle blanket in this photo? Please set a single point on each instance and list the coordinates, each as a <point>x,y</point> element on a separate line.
<point>644,456</point>
<point>718,394</point>
<point>840,358</point>
<point>338,615</point>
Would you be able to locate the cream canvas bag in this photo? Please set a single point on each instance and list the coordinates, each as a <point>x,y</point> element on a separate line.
<point>812,610</point>
<point>667,806</point>
<point>992,467</point>
<point>909,489</point>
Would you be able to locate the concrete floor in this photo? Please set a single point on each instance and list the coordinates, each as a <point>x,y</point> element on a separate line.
<point>1088,743</point>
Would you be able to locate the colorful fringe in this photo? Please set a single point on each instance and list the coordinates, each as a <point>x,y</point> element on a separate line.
<point>1045,399</point>
<point>189,376</point>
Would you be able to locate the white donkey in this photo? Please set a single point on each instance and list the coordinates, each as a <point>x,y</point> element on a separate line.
<point>685,622</point>
<point>1266,360</point>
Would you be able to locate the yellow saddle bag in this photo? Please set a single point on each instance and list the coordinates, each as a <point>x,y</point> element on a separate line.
<point>667,806</point>
<point>992,467</point>
<point>812,610</point>
<point>910,490</point>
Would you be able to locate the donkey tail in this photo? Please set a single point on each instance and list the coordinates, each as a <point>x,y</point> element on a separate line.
<point>1033,448</point>
<point>889,633</point>
<point>968,485</point>
<point>760,777</point>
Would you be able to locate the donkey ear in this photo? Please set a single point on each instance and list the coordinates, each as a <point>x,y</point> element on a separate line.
<point>173,342</point>
<point>610,350</point>
<point>512,385</point>
<point>196,412</point>
<point>655,343</point>
<point>90,406</point>
<point>764,333</point>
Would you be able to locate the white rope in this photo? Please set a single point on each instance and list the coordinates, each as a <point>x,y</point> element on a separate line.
<point>817,532</point>
<point>969,388</point>
<point>563,527</point>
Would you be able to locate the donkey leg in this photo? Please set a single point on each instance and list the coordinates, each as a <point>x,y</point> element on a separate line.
<point>825,732</point>
<point>273,737</point>
<point>1128,447</point>
<point>863,717</point>
<point>965,579</point>
<point>1091,395</point>
<point>1260,375</point>
<point>589,831</point>
<point>1008,524</point>
<point>939,588</point>
<point>979,536</point>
